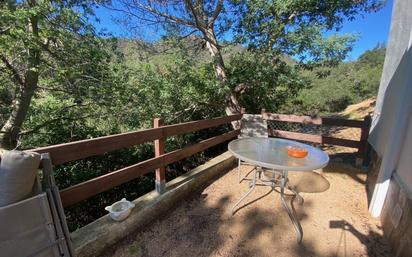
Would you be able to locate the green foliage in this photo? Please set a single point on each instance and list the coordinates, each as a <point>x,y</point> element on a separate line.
<point>91,86</point>
<point>173,86</point>
<point>71,70</point>
<point>268,81</point>
<point>331,90</point>
<point>297,28</point>
<point>169,84</point>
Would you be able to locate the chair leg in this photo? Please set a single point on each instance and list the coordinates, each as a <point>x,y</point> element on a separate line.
<point>238,172</point>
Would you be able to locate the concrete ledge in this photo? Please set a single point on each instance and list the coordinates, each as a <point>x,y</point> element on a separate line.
<point>93,238</point>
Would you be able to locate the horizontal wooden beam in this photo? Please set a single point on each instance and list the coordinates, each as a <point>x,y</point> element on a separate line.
<point>314,138</point>
<point>180,154</point>
<point>105,182</point>
<point>63,153</point>
<point>77,150</point>
<point>187,127</point>
<point>326,121</point>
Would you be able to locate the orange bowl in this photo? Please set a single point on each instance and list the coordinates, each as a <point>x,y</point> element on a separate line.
<point>297,152</point>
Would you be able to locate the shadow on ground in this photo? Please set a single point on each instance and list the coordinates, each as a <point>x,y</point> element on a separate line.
<point>335,223</point>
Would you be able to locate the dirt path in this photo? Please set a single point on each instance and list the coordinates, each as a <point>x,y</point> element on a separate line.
<point>335,223</point>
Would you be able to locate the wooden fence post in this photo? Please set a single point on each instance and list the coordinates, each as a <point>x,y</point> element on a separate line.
<point>159,150</point>
<point>262,111</point>
<point>362,150</point>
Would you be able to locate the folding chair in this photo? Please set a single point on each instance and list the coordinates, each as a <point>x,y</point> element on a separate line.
<point>36,226</point>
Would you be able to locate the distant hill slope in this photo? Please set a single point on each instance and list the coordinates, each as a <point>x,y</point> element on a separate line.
<point>332,89</point>
<point>355,111</point>
<point>193,46</point>
<point>360,110</point>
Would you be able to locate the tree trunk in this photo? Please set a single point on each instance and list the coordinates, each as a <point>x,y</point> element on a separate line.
<point>9,133</point>
<point>232,103</point>
<point>11,129</point>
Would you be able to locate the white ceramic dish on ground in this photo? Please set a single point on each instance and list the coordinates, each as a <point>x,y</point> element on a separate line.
<point>120,210</point>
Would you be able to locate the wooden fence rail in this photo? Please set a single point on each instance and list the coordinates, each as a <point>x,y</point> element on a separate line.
<point>73,151</point>
<point>360,144</point>
<point>64,153</point>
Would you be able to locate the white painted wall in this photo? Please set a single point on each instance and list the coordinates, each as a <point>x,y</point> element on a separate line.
<point>391,121</point>
<point>392,86</point>
<point>404,168</point>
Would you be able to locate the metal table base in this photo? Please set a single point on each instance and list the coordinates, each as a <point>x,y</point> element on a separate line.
<point>283,183</point>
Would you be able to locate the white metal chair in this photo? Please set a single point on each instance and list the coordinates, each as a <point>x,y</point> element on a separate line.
<point>252,125</point>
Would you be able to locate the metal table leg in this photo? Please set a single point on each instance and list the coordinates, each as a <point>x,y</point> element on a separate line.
<point>283,184</point>
<point>238,172</point>
<point>241,177</point>
<point>251,188</point>
<point>291,211</point>
<point>296,195</point>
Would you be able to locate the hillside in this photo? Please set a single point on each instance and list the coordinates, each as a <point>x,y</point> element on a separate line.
<point>360,110</point>
<point>331,90</point>
<point>355,111</point>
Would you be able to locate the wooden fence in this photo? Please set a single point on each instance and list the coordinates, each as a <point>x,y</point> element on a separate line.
<point>360,144</point>
<point>78,150</point>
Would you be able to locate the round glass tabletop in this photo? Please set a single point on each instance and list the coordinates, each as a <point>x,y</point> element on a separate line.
<point>272,153</point>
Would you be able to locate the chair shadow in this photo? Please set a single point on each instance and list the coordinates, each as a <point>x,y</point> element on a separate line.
<point>346,169</point>
<point>374,242</point>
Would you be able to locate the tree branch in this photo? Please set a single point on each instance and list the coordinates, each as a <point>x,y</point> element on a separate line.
<point>167,16</point>
<point>48,122</point>
<point>5,30</point>
<point>154,12</point>
<point>242,88</point>
<point>129,12</point>
<point>176,115</point>
<point>173,46</point>
<point>195,14</point>
<point>216,13</point>
<point>12,69</point>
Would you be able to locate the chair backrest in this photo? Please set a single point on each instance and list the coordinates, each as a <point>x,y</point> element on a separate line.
<point>253,125</point>
<point>28,229</point>
<point>17,176</point>
<point>36,226</point>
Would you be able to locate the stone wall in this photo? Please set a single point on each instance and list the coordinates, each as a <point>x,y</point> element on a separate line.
<point>396,216</point>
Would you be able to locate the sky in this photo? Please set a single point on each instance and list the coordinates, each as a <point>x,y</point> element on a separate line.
<point>372,28</point>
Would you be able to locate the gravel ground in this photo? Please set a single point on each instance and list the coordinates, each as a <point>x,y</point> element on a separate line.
<point>334,219</point>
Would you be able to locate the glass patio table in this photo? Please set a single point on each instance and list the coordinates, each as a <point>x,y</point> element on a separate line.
<point>271,153</point>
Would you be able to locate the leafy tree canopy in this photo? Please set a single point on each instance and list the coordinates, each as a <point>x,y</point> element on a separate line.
<point>332,89</point>
<point>61,81</point>
<point>49,49</point>
<point>298,27</point>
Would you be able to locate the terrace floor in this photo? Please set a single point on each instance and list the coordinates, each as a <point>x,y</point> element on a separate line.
<point>335,222</point>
